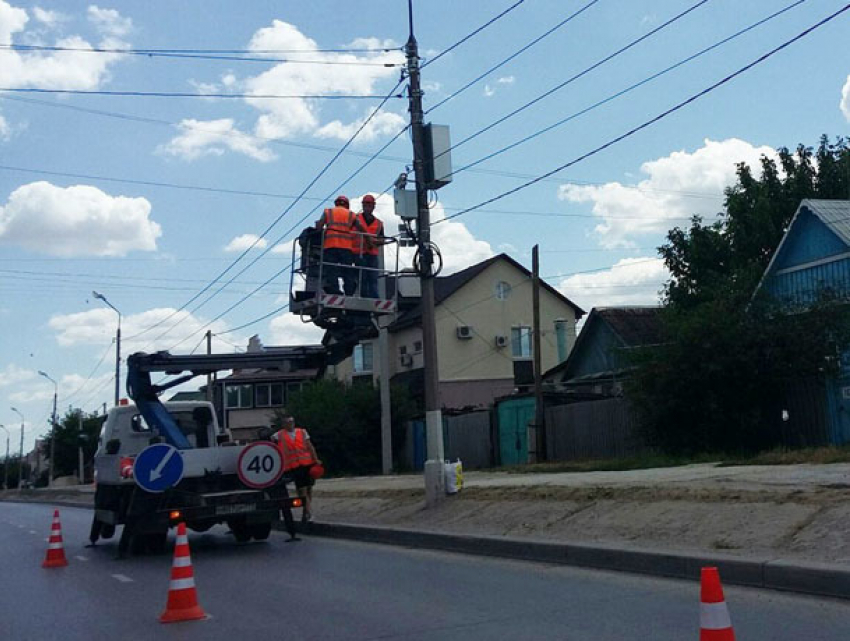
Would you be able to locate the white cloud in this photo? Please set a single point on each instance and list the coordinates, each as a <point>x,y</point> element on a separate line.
<point>506,80</point>
<point>489,91</point>
<point>382,124</point>
<point>109,21</point>
<point>282,248</point>
<point>13,375</point>
<point>288,329</point>
<point>5,129</point>
<point>48,18</point>
<point>77,221</point>
<point>96,327</point>
<point>246,241</point>
<point>59,69</point>
<point>663,199</point>
<point>845,99</point>
<point>632,281</point>
<point>279,119</point>
<point>213,138</point>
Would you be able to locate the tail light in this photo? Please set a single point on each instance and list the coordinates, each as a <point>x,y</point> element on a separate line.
<point>297,503</point>
<point>125,467</point>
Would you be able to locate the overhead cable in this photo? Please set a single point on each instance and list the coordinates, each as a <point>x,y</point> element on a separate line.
<point>651,121</point>
<point>181,94</point>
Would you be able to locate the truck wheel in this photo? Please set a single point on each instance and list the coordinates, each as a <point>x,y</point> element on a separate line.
<point>96,530</point>
<point>156,542</point>
<point>261,531</point>
<point>138,544</point>
<point>241,531</point>
<point>107,530</point>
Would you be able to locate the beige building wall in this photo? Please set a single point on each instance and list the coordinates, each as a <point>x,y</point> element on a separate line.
<point>488,315</point>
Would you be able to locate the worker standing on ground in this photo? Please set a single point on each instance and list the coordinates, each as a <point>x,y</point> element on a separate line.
<point>337,256</point>
<point>368,240</point>
<point>299,456</point>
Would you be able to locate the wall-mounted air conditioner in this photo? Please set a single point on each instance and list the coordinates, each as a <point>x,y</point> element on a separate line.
<point>406,360</point>
<point>464,332</point>
<point>501,341</point>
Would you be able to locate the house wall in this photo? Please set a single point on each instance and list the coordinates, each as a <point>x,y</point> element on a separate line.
<point>810,239</point>
<point>597,351</point>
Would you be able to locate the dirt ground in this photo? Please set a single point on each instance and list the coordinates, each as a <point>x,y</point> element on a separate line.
<point>791,512</point>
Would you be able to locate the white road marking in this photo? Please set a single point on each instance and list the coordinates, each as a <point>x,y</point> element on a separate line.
<point>33,532</point>
<point>81,558</point>
<point>122,578</point>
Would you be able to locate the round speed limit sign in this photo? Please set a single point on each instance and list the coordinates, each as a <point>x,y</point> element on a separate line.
<point>260,465</point>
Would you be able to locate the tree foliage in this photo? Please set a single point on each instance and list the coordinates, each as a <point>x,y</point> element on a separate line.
<point>714,383</point>
<point>74,430</point>
<point>345,423</point>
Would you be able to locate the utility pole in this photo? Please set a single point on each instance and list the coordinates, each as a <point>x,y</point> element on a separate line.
<point>101,297</point>
<point>21,459</point>
<point>80,463</point>
<point>539,412</point>
<point>52,430</point>
<point>209,376</point>
<point>6,460</point>
<point>384,376</point>
<point>434,479</point>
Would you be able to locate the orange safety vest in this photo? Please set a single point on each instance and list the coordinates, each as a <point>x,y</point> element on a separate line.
<point>294,449</point>
<point>338,222</point>
<point>367,245</point>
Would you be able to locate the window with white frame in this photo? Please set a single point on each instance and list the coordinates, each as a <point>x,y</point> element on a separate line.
<point>521,341</point>
<point>239,396</point>
<point>363,358</point>
<point>268,394</point>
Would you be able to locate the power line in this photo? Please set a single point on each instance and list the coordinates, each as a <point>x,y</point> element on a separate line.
<point>626,90</point>
<point>580,74</point>
<point>201,56</point>
<point>651,121</point>
<point>512,56</point>
<point>154,51</point>
<point>472,34</point>
<point>181,94</point>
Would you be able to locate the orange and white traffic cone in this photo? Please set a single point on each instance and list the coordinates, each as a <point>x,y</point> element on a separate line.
<point>182,598</point>
<point>55,550</point>
<point>715,624</point>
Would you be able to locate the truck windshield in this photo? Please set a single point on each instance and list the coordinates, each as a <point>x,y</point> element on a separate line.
<point>193,423</point>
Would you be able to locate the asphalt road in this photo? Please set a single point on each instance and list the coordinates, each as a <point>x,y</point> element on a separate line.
<point>330,589</point>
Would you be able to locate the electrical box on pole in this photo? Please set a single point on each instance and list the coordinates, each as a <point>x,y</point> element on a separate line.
<point>406,206</point>
<point>438,156</point>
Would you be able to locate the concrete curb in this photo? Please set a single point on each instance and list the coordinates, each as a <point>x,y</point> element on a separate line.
<point>818,579</point>
<point>774,574</point>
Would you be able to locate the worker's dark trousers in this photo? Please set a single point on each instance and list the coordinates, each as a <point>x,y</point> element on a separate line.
<point>337,264</point>
<point>368,278</point>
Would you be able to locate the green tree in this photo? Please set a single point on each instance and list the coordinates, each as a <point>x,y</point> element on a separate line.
<point>713,384</point>
<point>344,422</point>
<point>74,430</point>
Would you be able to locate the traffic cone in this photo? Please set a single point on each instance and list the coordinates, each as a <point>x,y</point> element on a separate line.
<point>715,624</point>
<point>55,550</point>
<point>182,599</point>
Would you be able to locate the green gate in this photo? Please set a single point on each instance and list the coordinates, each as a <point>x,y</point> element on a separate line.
<point>514,416</point>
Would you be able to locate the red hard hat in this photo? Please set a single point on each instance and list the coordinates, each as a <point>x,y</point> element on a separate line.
<point>317,472</point>
<point>369,198</point>
<point>341,200</point>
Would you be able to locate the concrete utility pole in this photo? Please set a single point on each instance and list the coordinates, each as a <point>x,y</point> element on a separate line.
<point>117,346</point>
<point>80,463</point>
<point>6,460</point>
<point>21,459</point>
<point>52,430</point>
<point>209,376</point>
<point>539,410</point>
<point>434,479</point>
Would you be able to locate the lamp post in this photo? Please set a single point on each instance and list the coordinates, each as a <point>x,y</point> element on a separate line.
<point>6,461</point>
<point>52,429</point>
<point>21,460</point>
<point>117,344</point>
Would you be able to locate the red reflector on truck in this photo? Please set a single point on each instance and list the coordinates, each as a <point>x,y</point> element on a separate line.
<point>297,502</point>
<point>174,515</point>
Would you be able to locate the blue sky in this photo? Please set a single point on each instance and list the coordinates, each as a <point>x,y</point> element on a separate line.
<point>211,172</point>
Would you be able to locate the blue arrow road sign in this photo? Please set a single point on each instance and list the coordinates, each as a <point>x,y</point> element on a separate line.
<point>158,467</point>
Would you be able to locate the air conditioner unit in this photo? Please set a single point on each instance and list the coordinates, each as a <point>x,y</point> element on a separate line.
<point>464,332</point>
<point>501,341</point>
<point>406,360</point>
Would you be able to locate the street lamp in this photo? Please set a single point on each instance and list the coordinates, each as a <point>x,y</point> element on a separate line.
<point>6,462</point>
<point>52,430</point>
<point>117,344</point>
<point>21,460</point>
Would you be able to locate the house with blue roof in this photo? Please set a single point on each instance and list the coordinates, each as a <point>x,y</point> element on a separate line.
<point>812,264</point>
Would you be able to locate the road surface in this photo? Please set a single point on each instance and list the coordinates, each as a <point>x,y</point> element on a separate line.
<point>330,589</point>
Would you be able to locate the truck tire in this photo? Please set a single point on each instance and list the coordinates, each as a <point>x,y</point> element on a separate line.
<point>107,530</point>
<point>241,531</point>
<point>261,531</point>
<point>156,542</point>
<point>96,530</point>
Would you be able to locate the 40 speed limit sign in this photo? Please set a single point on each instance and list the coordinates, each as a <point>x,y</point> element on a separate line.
<point>260,465</point>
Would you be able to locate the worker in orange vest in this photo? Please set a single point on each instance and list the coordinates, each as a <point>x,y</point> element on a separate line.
<point>369,235</point>
<point>299,456</point>
<point>337,245</point>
